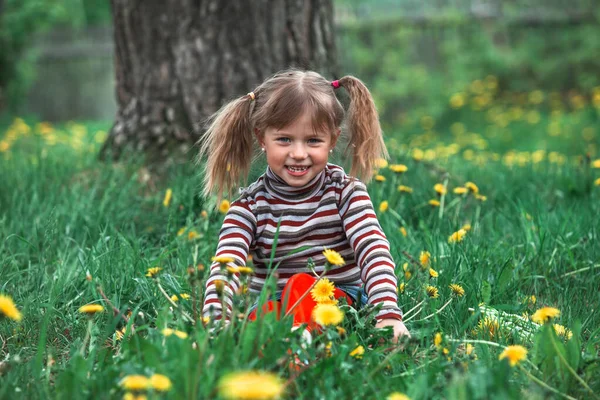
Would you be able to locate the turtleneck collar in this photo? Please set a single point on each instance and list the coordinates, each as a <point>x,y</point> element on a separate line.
<point>279,188</point>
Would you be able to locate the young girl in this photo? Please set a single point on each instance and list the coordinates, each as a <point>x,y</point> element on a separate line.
<point>296,119</point>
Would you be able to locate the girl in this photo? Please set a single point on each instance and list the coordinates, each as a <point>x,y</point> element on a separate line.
<point>296,119</point>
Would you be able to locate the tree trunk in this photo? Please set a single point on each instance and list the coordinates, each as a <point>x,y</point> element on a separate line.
<point>178,61</point>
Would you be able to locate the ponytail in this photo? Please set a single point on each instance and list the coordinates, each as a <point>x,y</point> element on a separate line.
<point>366,143</point>
<point>228,147</point>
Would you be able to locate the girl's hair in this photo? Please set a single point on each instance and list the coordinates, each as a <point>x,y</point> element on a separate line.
<point>276,103</point>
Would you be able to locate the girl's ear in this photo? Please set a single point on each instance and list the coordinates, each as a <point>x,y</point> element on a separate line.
<point>258,137</point>
<point>335,137</point>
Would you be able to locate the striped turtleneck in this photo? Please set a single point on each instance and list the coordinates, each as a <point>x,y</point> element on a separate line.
<point>332,211</point>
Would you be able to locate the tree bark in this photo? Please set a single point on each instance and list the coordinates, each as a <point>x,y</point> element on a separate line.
<point>178,61</point>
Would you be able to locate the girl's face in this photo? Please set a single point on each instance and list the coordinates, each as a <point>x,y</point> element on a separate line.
<point>295,153</point>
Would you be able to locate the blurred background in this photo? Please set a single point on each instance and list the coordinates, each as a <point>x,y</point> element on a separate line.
<point>478,78</point>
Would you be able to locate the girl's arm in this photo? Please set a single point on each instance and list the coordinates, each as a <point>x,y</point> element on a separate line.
<point>371,249</point>
<point>237,233</point>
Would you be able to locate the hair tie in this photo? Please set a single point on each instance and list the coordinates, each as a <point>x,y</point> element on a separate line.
<point>335,84</point>
<point>252,96</point>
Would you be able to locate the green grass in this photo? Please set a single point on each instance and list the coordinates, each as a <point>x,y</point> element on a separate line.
<point>65,216</point>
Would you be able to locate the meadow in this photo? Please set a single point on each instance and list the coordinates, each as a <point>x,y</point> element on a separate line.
<point>492,211</point>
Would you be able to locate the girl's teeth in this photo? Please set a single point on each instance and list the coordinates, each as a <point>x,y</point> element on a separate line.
<point>297,169</point>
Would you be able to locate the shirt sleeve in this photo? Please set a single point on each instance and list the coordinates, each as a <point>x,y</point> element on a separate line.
<point>236,235</point>
<point>371,249</point>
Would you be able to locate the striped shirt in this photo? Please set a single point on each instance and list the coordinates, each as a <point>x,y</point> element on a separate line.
<point>332,211</point>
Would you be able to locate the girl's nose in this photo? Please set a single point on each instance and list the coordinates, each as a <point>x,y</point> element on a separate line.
<point>298,152</point>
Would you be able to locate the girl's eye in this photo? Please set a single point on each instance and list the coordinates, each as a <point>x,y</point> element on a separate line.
<point>283,139</point>
<point>315,141</point>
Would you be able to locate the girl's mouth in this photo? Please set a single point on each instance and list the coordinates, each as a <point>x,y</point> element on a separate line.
<point>297,171</point>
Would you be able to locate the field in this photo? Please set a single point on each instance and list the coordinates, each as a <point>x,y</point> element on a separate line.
<point>77,231</point>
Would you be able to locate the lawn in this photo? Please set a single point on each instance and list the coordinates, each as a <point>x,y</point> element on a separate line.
<point>477,265</point>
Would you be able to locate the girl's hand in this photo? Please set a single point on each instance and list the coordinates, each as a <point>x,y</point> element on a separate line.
<point>397,325</point>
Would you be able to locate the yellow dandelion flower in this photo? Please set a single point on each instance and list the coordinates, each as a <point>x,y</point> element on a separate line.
<point>380,178</point>
<point>457,100</point>
<point>460,190</point>
<point>433,273</point>
<point>193,235</point>
<point>398,168</point>
<point>222,259</point>
<point>179,334</point>
<point>405,189</point>
<point>469,349</point>
<point>457,236</point>
<point>545,314</point>
<point>481,197</point>
<point>181,231</point>
<point>174,298</point>
<point>489,326</point>
<point>514,354</point>
<point>596,163</point>
<point>425,258</point>
<point>407,275</point>
<point>323,290</point>
<point>153,272</point>
<point>531,300</point>
<point>597,182</point>
<point>403,231</point>
<point>437,340</point>
<point>120,333</point>
<point>328,314</point>
<point>466,227</point>
<point>383,206</point>
<point>184,296</point>
<point>8,308</point>
<point>135,383</point>
<point>472,187</point>
<point>381,163</point>
<point>224,206</point>
<point>434,203</point>
<point>250,385</point>
<point>204,214</point>
<point>397,396</point>
<point>160,383</point>
<point>432,291</point>
<point>219,287</point>
<point>91,309</point>
<point>168,196</point>
<point>457,290</point>
<point>333,257</point>
<point>401,288</point>
<point>245,270</point>
<point>562,331</point>
<point>440,189</point>
<point>358,352</point>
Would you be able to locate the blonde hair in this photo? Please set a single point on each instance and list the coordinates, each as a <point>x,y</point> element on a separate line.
<point>278,101</point>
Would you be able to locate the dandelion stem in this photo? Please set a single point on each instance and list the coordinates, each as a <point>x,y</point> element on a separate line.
<point>566,363</point>
<point>88,334</point>
<point>544,384</point>
<point>406,314</point>
<point>185,315</point>
<point>435,313</point>
<point>579,270</point>
<point>115,309</point>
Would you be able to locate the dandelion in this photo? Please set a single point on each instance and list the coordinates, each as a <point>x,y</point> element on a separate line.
<point>91,309</point>
<point>403,231</point>
<point>457,236</point>
<point>531,300</point>
<point>328,314</point>
<point>425,258</point>
<point>432,291</point>
<point>440,189</point>
<point>466,227</point>
<point>401,288</point>
<point>434,203</point>
<point>562,331</point>
<point>472,187</point>
<point>168,196</point>
<point>545,314</point>
<point>457,100</point>
<point>180,334</point>
<point>160,383</point>
<point>181,231</point>
<point>481,197</point>
<point>470,348</point>
<point>358,352</point>
<point>437,340</point>
<point>8,309</point>
<point>135,383</point>
<point>397,396</point>
<point>224,206</point>
<point>514,354</point>
<point>193,235</point>
<point>460,190</point>
<point>184,296</point>
<point>219,286</point>
<point>120,333</point>
<point>222,259</point>
<point>153,272</point>
<point>323,290</point>
<point>489,326</point>
<point>204,214</point>
<point>457,290</point>
<point>380,178</point>
<point>398,168</point>
<point>405,189</point>
<point>596,163</point>
<point>250,385</point>
<point>597,182</point>
<point>174,298</point>
<point>333,257</point>
<point>383,206</point>
<point>341,331</point>
<point>381,163</point>
<point>433,273</point>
